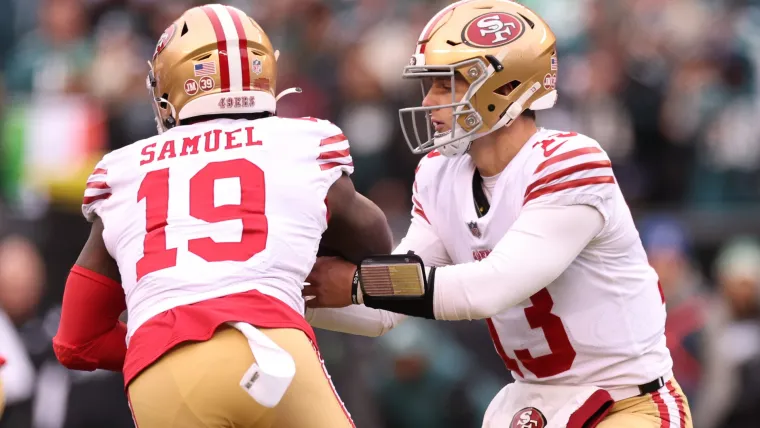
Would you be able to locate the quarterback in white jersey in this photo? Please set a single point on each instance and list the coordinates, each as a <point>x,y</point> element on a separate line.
<point>521,226</point>
<point>205,234</point>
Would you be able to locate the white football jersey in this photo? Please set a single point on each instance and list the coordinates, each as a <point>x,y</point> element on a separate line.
<point>216,208</point>
<point>602,321</point>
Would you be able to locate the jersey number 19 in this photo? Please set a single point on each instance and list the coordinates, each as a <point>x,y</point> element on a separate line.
<point>251,211</point>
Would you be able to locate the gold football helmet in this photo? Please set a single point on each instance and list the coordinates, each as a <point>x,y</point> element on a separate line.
<point>213,60</point>
<point>503,50</point>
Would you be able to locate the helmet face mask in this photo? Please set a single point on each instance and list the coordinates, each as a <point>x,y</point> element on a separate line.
<point>162,125</point>
<point>504,52</point>
<point>456,138</point>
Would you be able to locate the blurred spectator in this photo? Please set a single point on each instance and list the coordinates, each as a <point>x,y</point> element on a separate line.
<point>17,374</point>
<point>732,339</point>
<point>427,373</point>
<point>55,57</point>
<point>20,289</point>
<point>21,278</point>
<point>668,249</point>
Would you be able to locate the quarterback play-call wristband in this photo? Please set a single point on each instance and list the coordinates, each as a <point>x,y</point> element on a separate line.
<point>398,283</point>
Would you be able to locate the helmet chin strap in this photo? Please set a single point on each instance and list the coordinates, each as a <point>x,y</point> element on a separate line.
<point>457,147</point>
<point>170,120</point>
<point>288,92</point>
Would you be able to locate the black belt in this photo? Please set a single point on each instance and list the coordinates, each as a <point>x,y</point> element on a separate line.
<point>652,386</point>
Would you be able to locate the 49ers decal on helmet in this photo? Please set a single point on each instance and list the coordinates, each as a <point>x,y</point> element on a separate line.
<point>492,30</point>
<point>529,417</point>
<point>164,40</point>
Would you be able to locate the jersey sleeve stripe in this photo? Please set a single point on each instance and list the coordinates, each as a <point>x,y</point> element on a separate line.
<point>344,160</point>
<point>331,165</point>
<point>98,185</point>
<point>567,171</point>
<point>99,171</point>
<point>90,199</point>
<point>416,203</point>
<point>421,213</point>
<point>332,140</point>
<point>565,156</point>
<point>608,179</point>
<point>333,154</point>
<point>419,210</point>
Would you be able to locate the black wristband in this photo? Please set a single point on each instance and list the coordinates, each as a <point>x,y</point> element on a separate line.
<point>355,287</point>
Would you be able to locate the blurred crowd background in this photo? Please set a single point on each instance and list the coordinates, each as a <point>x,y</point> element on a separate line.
<point>668,87</point>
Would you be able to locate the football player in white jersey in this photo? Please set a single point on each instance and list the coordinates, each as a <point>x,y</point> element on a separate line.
<point>205,234</point>
<point>523,227</point>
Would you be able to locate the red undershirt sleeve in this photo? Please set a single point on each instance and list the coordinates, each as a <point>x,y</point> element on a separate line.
<point>90,335</point>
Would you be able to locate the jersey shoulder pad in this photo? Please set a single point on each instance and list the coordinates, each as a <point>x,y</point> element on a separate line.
<point>308,126</point>
<point>428,169</point>
<point>97,190</point>
<point>427,173</point>
<point>332,146</point>
<point>567,163</point>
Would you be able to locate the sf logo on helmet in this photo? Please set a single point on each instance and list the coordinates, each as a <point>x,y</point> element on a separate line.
<point>164,40</point>
<point>529,417</point>
<point>493,29</point>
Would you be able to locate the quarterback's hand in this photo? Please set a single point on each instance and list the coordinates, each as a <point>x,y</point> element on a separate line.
<point>330,283</point>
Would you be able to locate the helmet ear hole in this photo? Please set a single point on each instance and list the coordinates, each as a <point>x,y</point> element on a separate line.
<point>184,29</point>
<point>507,88</point>
<point>164,105</point>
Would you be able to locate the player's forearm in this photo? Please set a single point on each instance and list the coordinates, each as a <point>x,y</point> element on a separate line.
<point>422,240</point>
<point>358,320</point>
<point>106,351</point>
<point>535,251</point>
<point>357,228</point>
<point>90,335</point>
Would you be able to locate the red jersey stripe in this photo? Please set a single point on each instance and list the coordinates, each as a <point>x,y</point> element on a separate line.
<point>568,185</point>
<point>333,140</point>
<point>421,213</point>
<point>90,199</point>
<point>565,156</point>
<point>221,46</point>
<point>334,154</point>
<point>416,202</point>
<point>98,185</point>
<point>567,171</point>
<point>331,165</point>
<point>99,171</point>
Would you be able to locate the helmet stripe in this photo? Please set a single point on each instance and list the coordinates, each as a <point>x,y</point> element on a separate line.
<point>221,46</point>
<point>232,39</point>
<point>243,41</point>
